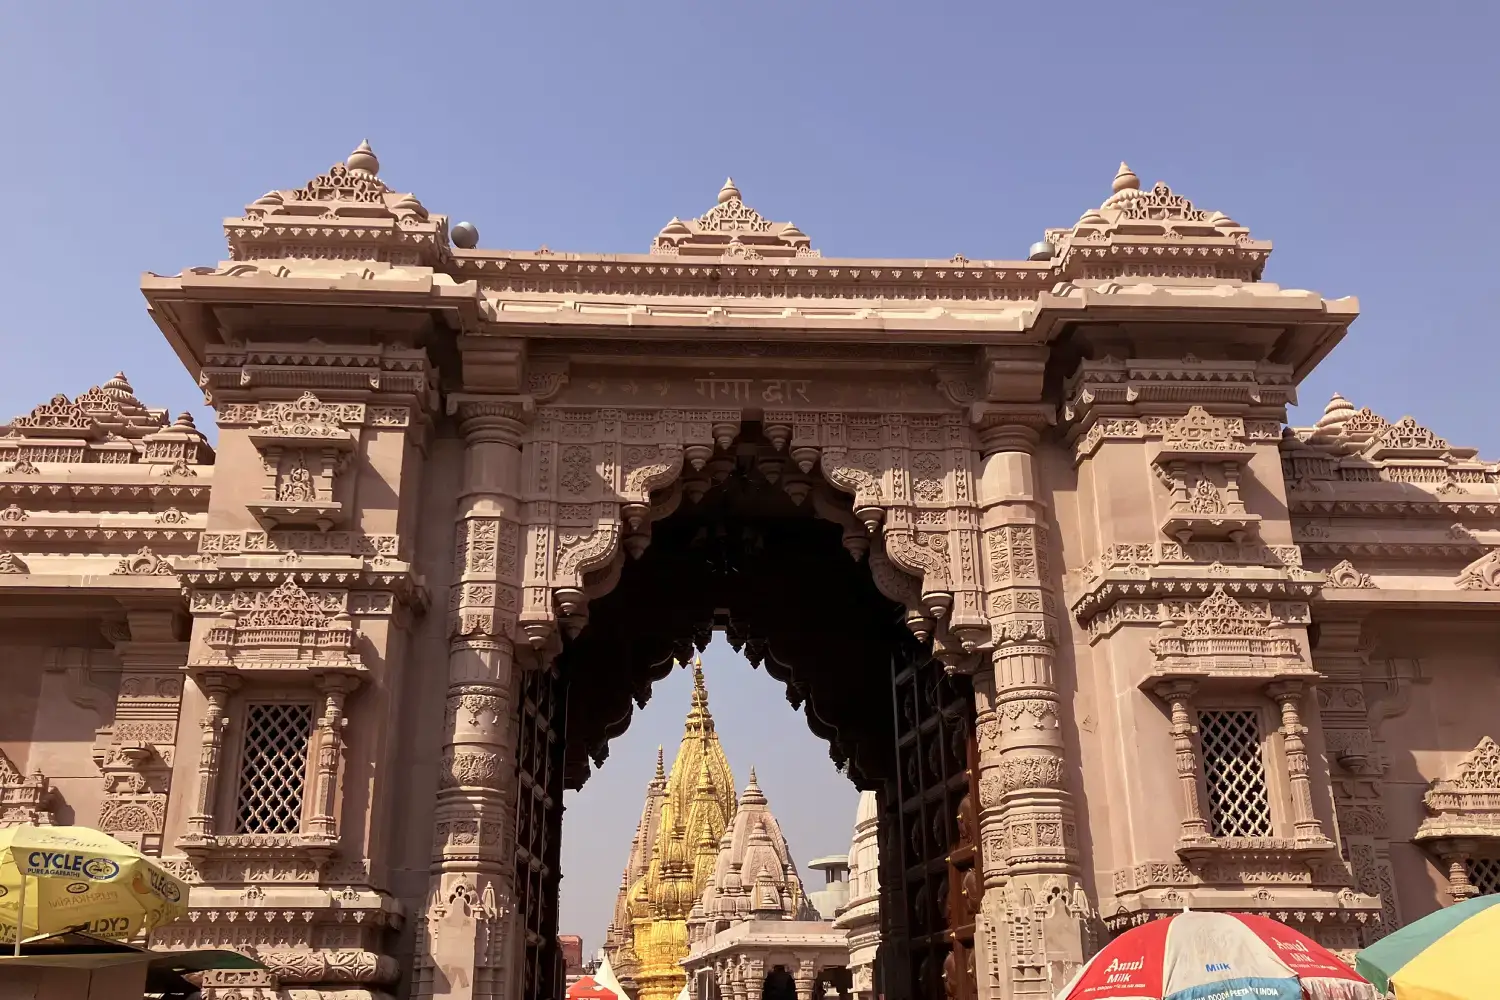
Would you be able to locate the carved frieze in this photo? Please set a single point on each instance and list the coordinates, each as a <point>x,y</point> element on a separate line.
<point>285,629</point>
<point>1222,637</point>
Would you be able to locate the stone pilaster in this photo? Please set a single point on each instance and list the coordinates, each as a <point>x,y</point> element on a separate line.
<point>1357,765</point>
<point>471,948</point>
<point>135,752</point>
<point>1027,822</point>
<point>201,825</point>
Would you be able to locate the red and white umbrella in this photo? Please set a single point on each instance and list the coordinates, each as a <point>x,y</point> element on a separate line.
<point>1200,955</point>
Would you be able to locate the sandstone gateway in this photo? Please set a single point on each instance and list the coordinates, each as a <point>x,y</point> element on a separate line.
<point>1028,542</point>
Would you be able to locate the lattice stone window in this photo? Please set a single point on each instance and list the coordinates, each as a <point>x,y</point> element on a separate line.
<point>273,768</point>
<point>1484,874</point>
<point>1234,771</point>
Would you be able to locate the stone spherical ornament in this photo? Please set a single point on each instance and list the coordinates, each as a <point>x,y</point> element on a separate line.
<point>465,236</point>
<point>1040,250</point>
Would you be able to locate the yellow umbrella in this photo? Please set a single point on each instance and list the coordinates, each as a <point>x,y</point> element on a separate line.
<point>57,878</point>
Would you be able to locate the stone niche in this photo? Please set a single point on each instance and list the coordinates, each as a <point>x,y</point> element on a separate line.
<point>1200,461</point>
<point>303,450</point>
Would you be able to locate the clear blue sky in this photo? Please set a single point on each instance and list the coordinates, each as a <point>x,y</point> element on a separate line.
<point>1360,136</point>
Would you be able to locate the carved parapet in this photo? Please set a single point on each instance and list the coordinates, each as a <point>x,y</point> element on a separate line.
<point>285,629</point>
<point>1155,232</point>
<point>106,425</point>
<point>1223,639</point>
<point>347,213</point>
<point>1464,808</point>
<point>734,231</point>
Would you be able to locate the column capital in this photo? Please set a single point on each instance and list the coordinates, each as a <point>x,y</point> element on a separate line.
<point>1175,689</point>
<point>1010,426</point>
<point>1291,689</point>
<point>491,417</point>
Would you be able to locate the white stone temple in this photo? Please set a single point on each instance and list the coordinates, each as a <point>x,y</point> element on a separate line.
<point>757,932</point>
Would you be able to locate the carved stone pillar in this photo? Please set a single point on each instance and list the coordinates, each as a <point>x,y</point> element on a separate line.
<point>1178,695</point>
<point>323,824</point>
<point>1305,825</point>
<point>470,946</point>
<point>135,752</point>
<point>1459,886</point>
<point>1027,823</point>
<point>216,688</point>
<point>806,976</point>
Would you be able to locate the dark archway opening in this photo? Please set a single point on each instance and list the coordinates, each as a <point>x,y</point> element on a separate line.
<point>739,553</point>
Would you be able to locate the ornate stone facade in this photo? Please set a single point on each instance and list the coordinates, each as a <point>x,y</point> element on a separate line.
<point>466,505</point>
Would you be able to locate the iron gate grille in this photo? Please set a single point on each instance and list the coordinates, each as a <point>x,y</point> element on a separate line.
<point>540,752</point>
<point>273,768</point>
<point>1234,770</point>
<point>936,763</point>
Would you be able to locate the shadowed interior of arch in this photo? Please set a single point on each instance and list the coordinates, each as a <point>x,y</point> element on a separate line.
<point>745,557</point>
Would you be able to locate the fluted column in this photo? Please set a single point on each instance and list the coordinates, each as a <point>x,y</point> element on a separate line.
<point>201,826</point>
<point>472,947</point>
<point>1026,819</point>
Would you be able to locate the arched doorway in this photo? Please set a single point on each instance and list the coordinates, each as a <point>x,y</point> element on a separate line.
<point>773,557</point>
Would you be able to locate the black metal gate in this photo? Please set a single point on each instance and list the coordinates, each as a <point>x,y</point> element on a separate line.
<point>540,752</point>
<point>929,835</point>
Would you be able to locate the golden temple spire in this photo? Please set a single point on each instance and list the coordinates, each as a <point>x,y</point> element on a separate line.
<point>696,803</point>
<point>699,719</point>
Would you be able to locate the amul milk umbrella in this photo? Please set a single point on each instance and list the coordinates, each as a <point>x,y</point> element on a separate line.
<point>1202,955</point>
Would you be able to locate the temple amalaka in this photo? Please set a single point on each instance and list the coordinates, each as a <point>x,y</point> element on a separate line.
<point>1030,543</point>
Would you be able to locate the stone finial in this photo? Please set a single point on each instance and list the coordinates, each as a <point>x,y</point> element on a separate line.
<point>1335,413</point>
<point>185,422</point>
<point>363,159</point>
<point>752,796</point>
<point>661,765</point>
<point>729,192</point>
<point>1126,178</point>
<point>119,387</point>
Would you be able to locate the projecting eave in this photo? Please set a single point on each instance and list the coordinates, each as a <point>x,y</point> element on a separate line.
<point>199,307</point>
<point>1289,326</point>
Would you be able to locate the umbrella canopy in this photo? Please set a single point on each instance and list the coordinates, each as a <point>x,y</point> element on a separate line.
<point>1447,955</point>
<point>1198,955</point>
<point>57,878</point>
<point>586,989</point>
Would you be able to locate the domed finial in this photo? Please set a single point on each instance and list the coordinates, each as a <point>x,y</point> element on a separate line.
<point>1126,178</point>
<point>185,421</point>
<point>363,159</point>
<point>729,192</point>
<point>752,779</point>
<point>119,387</point>
<point>1335,413</point>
